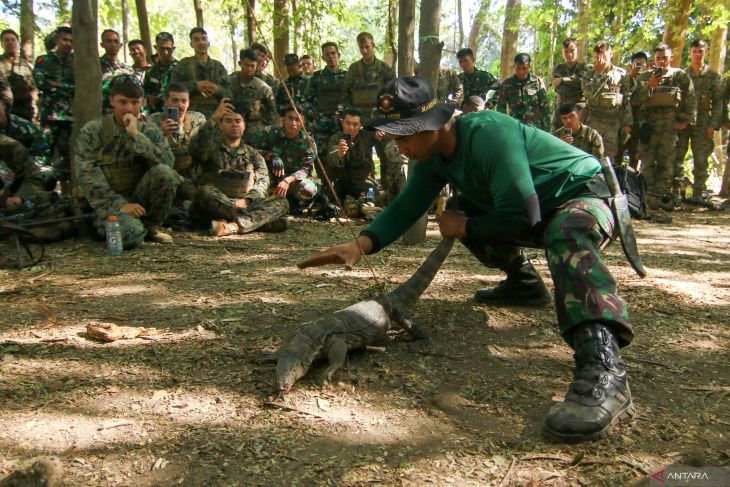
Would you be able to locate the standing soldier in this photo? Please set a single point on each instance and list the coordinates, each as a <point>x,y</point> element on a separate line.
<point>475,82</point>
<point>20,76</point>
<point>450,89</point>
<point>307,65</point>
<point>233,182</point>
<point>252,97</point>
<point>667,103</point>
<point>639,64</point>
<point>110,64</point>
<point>365,78</point>
<point>290,155</point>
<point>124,168</point>
<point>295,83</point>
<point>263,56</point>
<point>567,79</point>
<point>138,53</point>
<point>525,95</point>
<point>607,90</point>
<point>54,77</point>
<point>323,95</point>
<point>203,76</point>
<point>578,134</point>
<point>709,92</point>
<point>158,77</point>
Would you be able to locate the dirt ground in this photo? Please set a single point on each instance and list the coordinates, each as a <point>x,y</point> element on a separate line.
<point>186,407</point>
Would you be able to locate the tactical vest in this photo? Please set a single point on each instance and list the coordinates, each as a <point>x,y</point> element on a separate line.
<point>329,92</point>
<point>234,183</point>
<point>365,91</point>
<point>122,169</point>
<point>358,160</point>
<point>705,103</point>
<point>664,96</point>
<point>183,160</point>
<point>609,98</point>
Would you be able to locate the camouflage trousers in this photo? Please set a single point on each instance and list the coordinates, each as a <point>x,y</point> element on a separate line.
<point>584,288</point>
<point>694,136</point>
<point>59,134</point>
<point>392,177</point>
<point>658,158</point>
<point>211,203</point>
<point>156,193</point>
<point>608,125</point>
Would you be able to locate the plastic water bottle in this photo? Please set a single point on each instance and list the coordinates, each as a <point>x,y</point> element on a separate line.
<point>113,236</point>
<point>370,194</point>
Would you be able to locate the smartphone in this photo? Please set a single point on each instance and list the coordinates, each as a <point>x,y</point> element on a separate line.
<point>567,132</point>
<point>640,64</point>
<point>658,72</point>
<point>173,114</point>
<point>347,138</point>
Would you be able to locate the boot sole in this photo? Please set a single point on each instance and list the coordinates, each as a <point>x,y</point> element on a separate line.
<point>626,414</point>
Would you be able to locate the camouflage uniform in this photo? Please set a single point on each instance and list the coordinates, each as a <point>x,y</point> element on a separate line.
<point>479,83</point>
<point>322,98</point>
<point>569,90</point>
<point>670,103</point>
<point>20,79</point>
<point>361,86</point>
<point>296,87</point>
<point>156,81</point>
<point>354,174</point>
<point>297,154</point>
<point>110,69</point>
<point>527,100</point>
<point>56,114</point>
<point>586,139</point>
<point>608,107</point>
<point>449,89</point>
<point>255,100</point>
<point>709,92</point>
<point>37,143</point>
<point>26,181</point>
<point>225,174</point>
<point>179,142</point>
<point>6,93</point>
<point>114,169</point>
<point>269,80</point>
<point>189,71</point>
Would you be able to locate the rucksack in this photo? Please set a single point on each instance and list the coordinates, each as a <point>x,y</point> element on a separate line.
<point>634,187</point>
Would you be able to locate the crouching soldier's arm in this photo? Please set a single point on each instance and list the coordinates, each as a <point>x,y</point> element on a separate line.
<point>260,188</point>
<point>151,144</point>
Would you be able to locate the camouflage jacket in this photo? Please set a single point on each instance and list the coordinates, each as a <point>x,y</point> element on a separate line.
<point>110,69</point>
<point>149,145</point>
<point>297,154</point>
<point>608,94</point>
<point>189,71</point>
<point>6,93</point>
<point>527,100</point>
<point>269,80</point>
<point>709,90</point>
<point>570,89</point>
<point>684,110</point>
<point>449,89</point>
<point>51,69</point>
<point>254,99</point>
<point>324,93</point>
<point>296,87</point>
<point>587,140</point>
<point>211,153</point>
<point>30,136</point>
<point>180,141</point>
<point>478,83</point>
<point>358,162</point>
<point>27,182</point>
<point>725,101</point>
<point>141,73</point>
<point>155,83</point>
<point>362,83</point>
<point>22,85</point>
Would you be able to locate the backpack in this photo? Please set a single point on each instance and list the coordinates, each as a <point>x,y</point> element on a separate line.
<point>634,187</point>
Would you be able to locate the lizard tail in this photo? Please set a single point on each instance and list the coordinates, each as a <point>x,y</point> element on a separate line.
<point>408,293</point>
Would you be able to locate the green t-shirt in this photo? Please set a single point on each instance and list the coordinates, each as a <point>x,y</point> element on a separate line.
<point>499,165</point>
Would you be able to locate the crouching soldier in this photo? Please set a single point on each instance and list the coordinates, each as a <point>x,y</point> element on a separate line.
<point>232,178</point>
<point>124,167</point>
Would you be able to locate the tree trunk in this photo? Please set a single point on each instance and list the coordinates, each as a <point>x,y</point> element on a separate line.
<point>584,20</point>
<point>144,27</point>
<point>232,33</point>
<point>198,14</point>
<point>87,70</point>
<point>281,35</point>
<point>553,42</point>
<point>250,23</point>
<point>717,56</point>
<point>429,53</point>
<point>509,37</point>
<point>460,13</point>
<point>617,28</point>
<point>296,28</point>
<point>675,28</point>
<point>406,31</point>
<point>125,26</point>
<point>391,54</point>
<point>476,25</point>
<point>27,29</point>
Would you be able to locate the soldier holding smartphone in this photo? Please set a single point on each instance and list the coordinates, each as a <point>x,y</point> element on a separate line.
<point>577,134</point>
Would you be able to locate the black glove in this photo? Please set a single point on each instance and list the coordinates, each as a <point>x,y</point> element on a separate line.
<point>276,163</point>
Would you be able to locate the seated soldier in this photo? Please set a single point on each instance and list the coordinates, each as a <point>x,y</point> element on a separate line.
<point>473,104</point>
<point>350,158</point>
<point>577,134</point>
<point>232,178</point>
<point>290,154</point>
<point>179,125</point>
<point>37,143</point>
<point>124,167</point>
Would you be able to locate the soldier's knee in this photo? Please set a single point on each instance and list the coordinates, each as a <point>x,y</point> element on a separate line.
<point>165,175</point>
<point>133,231</point>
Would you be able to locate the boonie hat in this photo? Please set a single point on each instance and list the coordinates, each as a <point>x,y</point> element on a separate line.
<point>407,106</point>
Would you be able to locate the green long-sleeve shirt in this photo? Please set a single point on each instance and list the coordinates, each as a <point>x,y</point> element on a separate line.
<point>498,166</point>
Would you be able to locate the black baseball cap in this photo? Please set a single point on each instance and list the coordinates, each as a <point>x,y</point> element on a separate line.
<point>407,106</point>
<point>291,59</point>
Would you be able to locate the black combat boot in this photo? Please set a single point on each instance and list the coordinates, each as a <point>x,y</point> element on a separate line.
<point>523,287</point>
<point>599,395</point>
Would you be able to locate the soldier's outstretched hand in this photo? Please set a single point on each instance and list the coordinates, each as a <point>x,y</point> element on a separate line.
<point>348,254</point>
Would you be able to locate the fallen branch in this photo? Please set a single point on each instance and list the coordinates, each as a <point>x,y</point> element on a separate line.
<point>645,361</point>
<point>507,475</point>
<point>286,407</point>
<point>545,457</point>
<point>115,425</point>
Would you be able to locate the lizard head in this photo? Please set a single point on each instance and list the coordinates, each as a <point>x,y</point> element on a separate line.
<point>288,371</point>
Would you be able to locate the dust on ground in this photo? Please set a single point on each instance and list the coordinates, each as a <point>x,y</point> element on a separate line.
<point>186,406</point>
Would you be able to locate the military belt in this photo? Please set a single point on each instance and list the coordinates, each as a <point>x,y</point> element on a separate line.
<point>597,186</point>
